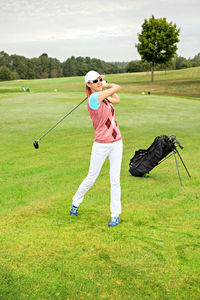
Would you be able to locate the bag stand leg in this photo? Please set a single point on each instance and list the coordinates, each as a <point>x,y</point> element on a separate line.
<point>183,163</point>
<point>177,167</point>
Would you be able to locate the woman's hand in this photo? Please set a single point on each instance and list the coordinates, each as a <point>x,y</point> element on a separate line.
<point>106,85</point>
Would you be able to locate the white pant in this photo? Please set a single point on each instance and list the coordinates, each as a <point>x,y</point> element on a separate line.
<point>99,153</point>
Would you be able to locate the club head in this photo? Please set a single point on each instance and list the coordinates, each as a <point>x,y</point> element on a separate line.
<point>35,144</point>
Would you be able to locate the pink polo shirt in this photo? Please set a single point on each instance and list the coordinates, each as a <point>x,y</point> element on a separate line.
<point>106,129</point>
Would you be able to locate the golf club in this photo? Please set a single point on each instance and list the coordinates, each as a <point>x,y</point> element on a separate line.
<point>35,143</point>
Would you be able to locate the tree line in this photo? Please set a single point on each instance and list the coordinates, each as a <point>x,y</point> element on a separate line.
<point>19,67</point>
<point>176,63</point>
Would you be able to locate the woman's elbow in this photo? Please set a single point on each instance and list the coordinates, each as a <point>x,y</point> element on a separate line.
<point>118,87</point>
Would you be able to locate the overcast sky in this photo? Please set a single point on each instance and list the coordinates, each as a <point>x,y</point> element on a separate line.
<point>103,29</point>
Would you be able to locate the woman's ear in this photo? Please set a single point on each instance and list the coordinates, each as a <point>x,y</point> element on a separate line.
<point>88,85</point>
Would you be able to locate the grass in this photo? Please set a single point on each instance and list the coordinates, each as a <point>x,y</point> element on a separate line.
<point>185,82</point>
<point>45,253</point>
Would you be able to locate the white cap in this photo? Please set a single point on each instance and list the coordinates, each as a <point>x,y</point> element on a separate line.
<point>92,75</point>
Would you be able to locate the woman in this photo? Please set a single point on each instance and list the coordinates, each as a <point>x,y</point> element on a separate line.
<point>108,142</point>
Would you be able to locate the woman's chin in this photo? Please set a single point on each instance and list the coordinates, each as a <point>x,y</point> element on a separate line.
<point>100,89</point>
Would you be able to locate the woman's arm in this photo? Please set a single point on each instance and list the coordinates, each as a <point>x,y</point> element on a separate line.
<point>114,99</point>
<point>110,91</point>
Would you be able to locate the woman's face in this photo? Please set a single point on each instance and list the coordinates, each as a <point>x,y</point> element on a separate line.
<point>96,86</point>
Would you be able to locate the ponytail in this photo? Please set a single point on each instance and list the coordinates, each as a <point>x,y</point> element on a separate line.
<point>88,91</point>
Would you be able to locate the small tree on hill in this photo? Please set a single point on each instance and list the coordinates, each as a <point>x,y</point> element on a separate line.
<point>157,41</point>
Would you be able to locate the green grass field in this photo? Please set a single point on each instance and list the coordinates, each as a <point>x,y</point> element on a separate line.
<point>47,254</point>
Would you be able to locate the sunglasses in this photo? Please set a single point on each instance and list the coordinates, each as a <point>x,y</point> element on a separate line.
<point>96,80</point>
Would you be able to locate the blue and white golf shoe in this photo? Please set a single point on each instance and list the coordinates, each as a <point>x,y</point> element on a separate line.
<point>114,221</point>
<point>74,210</point>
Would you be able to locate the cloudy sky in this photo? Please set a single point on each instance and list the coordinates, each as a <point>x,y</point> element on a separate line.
<point>105,29</point>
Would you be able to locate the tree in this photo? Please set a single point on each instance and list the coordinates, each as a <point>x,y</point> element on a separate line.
<point>70,67</point>
<point>44,65</point>
<point>157,41</point>
<point>4,59</point>
<point>54,66</point>
<point>134,66</point>
<point>195,61</point>
<point>182,63</point>
<point>6,74</point>
<point>19,64</point>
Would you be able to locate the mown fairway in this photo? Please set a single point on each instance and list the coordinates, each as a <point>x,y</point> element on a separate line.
<point>47,254</point>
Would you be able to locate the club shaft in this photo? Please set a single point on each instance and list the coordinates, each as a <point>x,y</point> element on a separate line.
<point>61,120</point>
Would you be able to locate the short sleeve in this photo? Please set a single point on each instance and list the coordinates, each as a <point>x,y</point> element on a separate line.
<point>93,101</point>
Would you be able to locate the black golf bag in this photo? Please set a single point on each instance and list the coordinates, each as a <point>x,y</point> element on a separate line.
<point>145,160</point>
